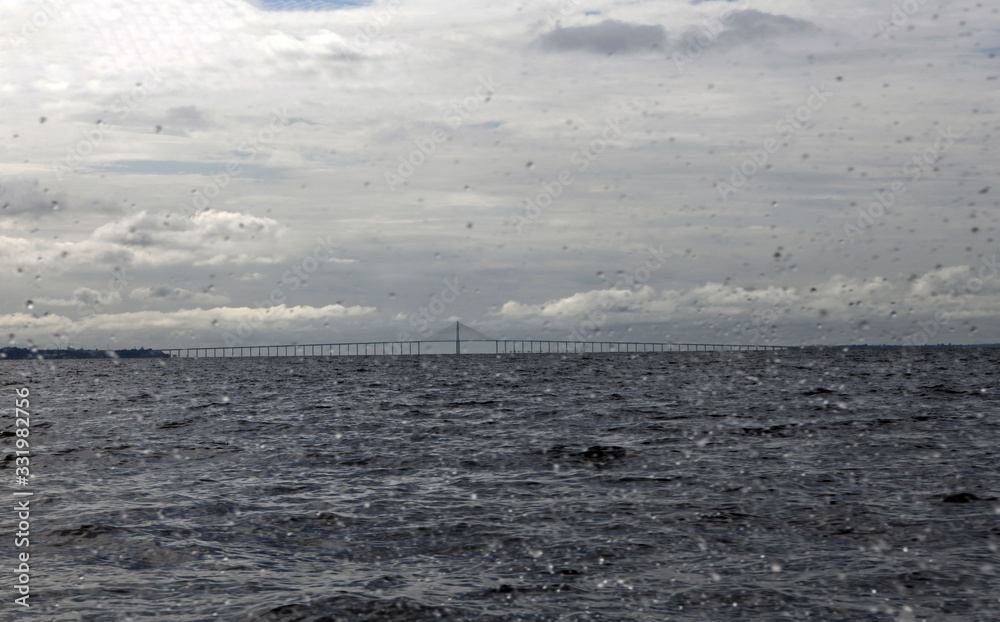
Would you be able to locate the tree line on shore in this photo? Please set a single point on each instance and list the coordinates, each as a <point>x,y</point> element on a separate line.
<point>15,353</point>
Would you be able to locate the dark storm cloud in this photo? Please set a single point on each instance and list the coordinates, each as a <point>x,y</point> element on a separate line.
<point>608,37</point>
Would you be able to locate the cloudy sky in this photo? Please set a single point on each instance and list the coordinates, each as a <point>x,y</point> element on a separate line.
<point>213,172</point>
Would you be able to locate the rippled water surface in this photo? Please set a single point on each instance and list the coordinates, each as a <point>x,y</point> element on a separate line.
<point>679,486</point>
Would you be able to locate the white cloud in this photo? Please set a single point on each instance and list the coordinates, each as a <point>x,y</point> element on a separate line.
<point>844,302</point>
<point>160,328</point>
<point>613,300</point>
<point>146,239</point>
<point>941,282</point>
<point>161,239</point>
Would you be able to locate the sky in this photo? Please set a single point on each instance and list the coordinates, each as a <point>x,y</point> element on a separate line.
<point>224,172</point>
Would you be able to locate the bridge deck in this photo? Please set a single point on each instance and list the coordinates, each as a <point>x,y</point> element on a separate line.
<point>501,346</point>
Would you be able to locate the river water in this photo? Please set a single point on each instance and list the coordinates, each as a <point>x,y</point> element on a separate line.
<point>797,485</point>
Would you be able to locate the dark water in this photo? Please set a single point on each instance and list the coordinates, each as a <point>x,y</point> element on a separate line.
<point>686,486</point>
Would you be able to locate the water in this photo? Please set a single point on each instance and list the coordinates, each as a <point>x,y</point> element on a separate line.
<point>682,486</point>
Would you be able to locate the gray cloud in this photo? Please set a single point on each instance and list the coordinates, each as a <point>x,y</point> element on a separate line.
<point>168,293</point>
<point>186,118</point>
<point>23,197</point>
<point>752,26</point>
<point>87,297</point>
<point>608,37</point>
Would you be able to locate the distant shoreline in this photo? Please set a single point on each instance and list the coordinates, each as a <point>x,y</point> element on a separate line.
<point>20,354</point>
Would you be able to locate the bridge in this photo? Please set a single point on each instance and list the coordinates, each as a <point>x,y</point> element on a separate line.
<point>418,347</point>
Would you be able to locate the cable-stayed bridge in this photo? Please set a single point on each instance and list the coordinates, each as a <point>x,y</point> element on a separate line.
<point>460,335</point>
